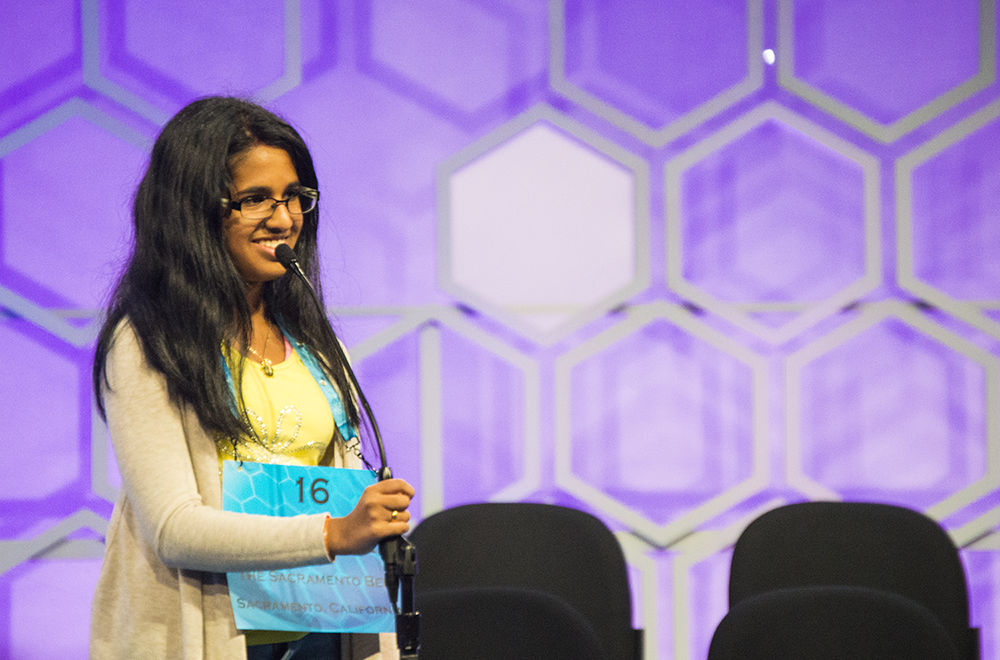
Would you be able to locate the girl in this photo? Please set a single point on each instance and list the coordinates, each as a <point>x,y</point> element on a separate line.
<point>211,352</point>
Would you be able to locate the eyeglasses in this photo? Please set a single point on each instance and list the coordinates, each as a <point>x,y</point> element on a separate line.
<point>258,207</point>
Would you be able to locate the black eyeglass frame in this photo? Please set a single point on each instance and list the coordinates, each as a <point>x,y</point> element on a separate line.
<point>311,193</point>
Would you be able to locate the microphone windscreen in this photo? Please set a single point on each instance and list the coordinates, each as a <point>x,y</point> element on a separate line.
<point>285,255</point>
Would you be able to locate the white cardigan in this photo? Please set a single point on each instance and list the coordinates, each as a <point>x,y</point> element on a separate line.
<point>162,590</point>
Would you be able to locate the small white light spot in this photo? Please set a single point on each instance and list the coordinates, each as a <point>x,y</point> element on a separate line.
<point>768,56</point>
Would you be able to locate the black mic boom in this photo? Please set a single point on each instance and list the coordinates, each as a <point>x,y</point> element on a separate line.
<point>286,257</point>
<point>399,555</point>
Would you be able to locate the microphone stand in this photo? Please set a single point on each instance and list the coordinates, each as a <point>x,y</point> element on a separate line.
<point>400,557</point>
<point>398,554</point>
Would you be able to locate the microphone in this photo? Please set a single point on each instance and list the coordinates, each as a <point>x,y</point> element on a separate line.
<point>398,554</point>
<point>286,257</point>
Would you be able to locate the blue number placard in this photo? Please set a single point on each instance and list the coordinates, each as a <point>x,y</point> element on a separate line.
<point>348,595</point>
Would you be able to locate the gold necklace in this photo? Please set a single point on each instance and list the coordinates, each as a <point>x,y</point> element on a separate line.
<point>265,365</point>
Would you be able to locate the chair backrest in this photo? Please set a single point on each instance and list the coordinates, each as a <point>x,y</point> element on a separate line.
<point>830,623</point>
<point>503,624</point>
<point>557,550</point>
<point>862,544</point>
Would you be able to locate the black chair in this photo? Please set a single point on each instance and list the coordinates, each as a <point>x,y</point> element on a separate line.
<point>556,550</point>
<point>862,544</point>
<point>830,623</point>
<point>503,624</point>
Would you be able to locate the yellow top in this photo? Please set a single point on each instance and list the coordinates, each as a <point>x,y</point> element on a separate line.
<point>288,413</point>
<point>292,425</point>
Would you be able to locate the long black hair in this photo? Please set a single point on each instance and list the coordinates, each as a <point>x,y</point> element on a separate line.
<point>180,290</point>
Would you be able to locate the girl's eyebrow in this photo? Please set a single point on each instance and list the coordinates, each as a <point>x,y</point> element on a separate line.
<point>266,190</point>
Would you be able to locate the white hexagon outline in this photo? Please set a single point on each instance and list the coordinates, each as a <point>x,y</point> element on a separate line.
<point>877,130</point>
<point>74,107</point>
<point>699,114</point>
<point>57,326</point>
<point>871,315</point>
<point>589,138</point>
<point>43,318</point>
<point>438,104</point>
<point>635,550</point>
<point>979,531</point>
<point>430,406</point>
<point>92,77</point>
<point>969,312</point>
<point>694,549</point>
<point>662,536</point>
<point>47,320</point>
<point>734,311</point>
<point>13,553</point>
<point>984,539</point>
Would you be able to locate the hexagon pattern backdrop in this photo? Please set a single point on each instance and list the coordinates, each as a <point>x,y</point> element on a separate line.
<point>672,263</point>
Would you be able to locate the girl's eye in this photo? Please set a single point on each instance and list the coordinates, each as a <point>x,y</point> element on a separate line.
<point>253,200</point>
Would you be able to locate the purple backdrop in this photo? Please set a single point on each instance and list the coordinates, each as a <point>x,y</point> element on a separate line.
<point>671,263</point>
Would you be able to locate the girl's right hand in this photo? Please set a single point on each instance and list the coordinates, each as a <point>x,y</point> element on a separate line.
<point>381,512</point>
